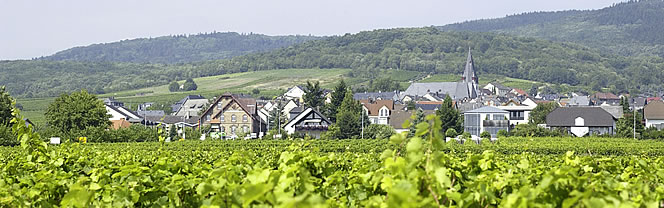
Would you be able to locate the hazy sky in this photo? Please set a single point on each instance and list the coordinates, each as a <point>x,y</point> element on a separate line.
<point>32,28</point>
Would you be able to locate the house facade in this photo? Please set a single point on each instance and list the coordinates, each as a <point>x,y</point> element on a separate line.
<point>309,122</point>
<point>295,93</point>
<point>518,113</point>
<point>232,114</point>
<point>654,114</point>
<point>581,121</point>
<point>487,118</point>
<point>379,111</point>
<point>190,105</point>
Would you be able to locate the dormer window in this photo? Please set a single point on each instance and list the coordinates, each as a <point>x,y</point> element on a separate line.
<point>207,117</point>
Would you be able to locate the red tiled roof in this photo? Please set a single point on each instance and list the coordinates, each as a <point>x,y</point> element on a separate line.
<point>373,107</point>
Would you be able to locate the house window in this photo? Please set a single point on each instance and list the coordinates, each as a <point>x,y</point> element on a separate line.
<point>207,117</point>
<point>219,105</point>
<point>244,118</point>
<point>233,118</point>
<point>245,129</point>
<point>498,117</point>
<point>233,129</point>
<point>222,118</point>
<point>223,129</point>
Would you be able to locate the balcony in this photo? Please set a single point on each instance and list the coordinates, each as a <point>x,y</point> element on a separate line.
<point>517,118</point>
<point>494,123</point>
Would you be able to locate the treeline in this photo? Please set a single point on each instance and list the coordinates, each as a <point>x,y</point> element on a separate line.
<point>179,48</point>
<point>367,53</point>
<point>430,50</point>
<point>629,28</point>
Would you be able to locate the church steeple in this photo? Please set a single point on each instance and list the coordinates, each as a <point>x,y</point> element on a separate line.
<point>469,73</point>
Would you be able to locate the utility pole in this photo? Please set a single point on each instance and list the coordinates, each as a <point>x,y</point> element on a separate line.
<point>634,125</point>
<point>362,123</point>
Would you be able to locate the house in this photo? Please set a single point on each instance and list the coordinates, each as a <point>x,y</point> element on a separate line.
<point>113,102</point>
<point>308,122</point>
<point>519,92</point>
<point>290,105</point>
<point>654,114</point>
<point>295,93</point>
<point>378,110</point>
<point>498,89</point>
<point>581,121</point>
<point>122,113</point>
<point>398,116</point>
<point>637,103</point>
<point>232,114</point>
<point>394,96</point>
<point>608,98</point>
<point>466,88</point>
<point>579,101</point>
<point>190,105</point>
<point>518,113</point>
<point>487,118</point>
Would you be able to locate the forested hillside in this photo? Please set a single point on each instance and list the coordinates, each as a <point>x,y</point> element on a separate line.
<point>430,50</point>
<point>366,53</point>
<point>179,48</point>
<point>629,28</point>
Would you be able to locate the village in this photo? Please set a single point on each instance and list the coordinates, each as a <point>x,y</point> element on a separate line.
<point>490,108</point>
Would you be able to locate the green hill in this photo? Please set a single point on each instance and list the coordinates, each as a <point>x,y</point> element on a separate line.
<point>178,48</point>
<point>629,28</point>
<point>426,50</point>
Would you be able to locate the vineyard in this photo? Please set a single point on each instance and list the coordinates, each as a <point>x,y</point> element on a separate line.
<point>422,171</point>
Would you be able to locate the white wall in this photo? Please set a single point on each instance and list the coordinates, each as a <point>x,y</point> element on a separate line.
<point>651,122</point>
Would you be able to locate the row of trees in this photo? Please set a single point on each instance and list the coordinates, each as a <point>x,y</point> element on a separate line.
<point>189,85</point>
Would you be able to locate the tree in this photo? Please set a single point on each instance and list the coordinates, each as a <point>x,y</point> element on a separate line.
<point>174,87</point>
<point>77,112</point>
<point>449,116</point>
<point>350,117</point>
<point>625,125</point>
<point>416,118</point>
<point>379,131</point>
<point>255,91</point>
<point>6,107</point>
<point>338,96</point>
<point>313,96</point>
<point>538,115</point>
<point>411,105</point>
<point>277,119</point>
<point>189,85</point>
<point>385,85</point>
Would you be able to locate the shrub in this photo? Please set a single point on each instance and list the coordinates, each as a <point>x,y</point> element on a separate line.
<point>467,135</point>
<point>379,131</point>
<point>485,135</point>
<point>451,133</point>
<point>502,133</point>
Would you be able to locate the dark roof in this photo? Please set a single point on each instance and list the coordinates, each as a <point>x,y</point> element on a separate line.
<point>605,96</point>
<point>308,110</point>
<point>425,107</point>
<point>117,109</point>
<point>593,116</point>
<point>376,96</point>
<point>398,117</point>
<point>500,86</point>
<point>654,110</point>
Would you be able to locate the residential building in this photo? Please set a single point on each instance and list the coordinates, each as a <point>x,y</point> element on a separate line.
<point>519,92</point>
<point>466,88</point>
<point>581,121</point>
<point>608,98</point>
<point>579,101</point>
<point>233,114</point>
<point>487,118</point>
<point>637,103</point>
<point>398,116</point>
<point>654,114</point>
<point>498,89</point>
<point>518,113</point>
<point>295,93</point>
<point>111,101</point>
<point>309,122</point>
<point>190,105</point>
<point>378,110</point>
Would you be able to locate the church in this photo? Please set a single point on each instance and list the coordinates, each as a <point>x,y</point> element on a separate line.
<point>467,88</point>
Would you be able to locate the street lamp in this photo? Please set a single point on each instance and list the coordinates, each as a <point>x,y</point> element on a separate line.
<point>634,125</point>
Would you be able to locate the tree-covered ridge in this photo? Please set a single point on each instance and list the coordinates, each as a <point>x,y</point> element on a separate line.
<point>367,53</point>
<point>179,48</point>
<point>434,51</point>
<point>628,28</point>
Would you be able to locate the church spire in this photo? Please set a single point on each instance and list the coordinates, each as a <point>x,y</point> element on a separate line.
<point>469,73</point>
